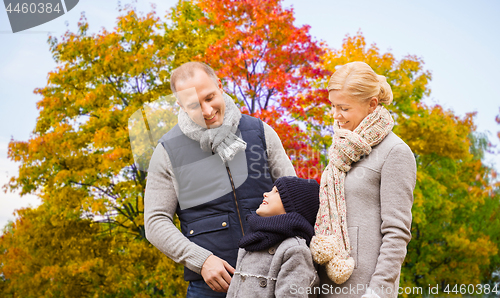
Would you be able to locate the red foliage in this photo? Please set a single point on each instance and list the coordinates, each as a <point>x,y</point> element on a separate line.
<point>269,64</point>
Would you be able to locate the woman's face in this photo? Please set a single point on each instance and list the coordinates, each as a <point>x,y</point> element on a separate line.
<point>349,112</point>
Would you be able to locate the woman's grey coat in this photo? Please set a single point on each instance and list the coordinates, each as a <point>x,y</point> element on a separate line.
<point>379,196</point>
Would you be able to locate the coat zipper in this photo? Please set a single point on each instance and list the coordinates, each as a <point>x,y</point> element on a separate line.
<point>235,200</point>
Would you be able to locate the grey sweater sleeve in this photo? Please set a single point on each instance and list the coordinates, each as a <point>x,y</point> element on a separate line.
<point>397,183</point>
<point>160,203</point>
<point>279,163</point>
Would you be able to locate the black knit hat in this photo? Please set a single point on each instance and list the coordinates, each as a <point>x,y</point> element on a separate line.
<point>299,195</point>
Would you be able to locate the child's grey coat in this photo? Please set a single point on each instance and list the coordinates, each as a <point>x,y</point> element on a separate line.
<point>284,270</point>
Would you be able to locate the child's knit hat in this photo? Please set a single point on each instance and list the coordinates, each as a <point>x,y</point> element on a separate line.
<point>299,195</point>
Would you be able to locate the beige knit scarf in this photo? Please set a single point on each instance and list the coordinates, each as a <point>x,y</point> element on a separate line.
<point>330,246</point>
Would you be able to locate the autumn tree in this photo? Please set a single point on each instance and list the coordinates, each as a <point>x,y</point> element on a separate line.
<point>269,65</point>
<point>46,253</point>
<point>78,158</point>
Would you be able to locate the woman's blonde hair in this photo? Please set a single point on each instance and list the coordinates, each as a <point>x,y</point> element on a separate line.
<point>360,81</point>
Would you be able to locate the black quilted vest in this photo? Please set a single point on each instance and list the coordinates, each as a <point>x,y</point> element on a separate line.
<point>214,200</point>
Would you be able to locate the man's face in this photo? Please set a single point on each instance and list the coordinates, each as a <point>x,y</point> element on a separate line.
<point>201,99</point>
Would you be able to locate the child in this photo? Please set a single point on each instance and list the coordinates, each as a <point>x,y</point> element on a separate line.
<point>274,259</point>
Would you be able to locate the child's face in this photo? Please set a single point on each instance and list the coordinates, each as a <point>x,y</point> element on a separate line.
<point>271,205</point>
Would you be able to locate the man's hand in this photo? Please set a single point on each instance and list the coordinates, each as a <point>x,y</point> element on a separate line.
<point>215,272</point>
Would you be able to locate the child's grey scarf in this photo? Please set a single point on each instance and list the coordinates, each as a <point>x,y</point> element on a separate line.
<point>222,139</point>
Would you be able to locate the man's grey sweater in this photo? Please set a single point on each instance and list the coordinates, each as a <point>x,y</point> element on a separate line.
<point>160,203</point>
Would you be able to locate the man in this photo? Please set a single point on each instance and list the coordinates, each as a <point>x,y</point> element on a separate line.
<point>211,169</point>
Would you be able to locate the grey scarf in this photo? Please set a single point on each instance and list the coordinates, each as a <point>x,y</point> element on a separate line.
<point>222,139</point>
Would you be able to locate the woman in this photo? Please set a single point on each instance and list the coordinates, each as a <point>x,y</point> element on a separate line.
<point>363,224</point>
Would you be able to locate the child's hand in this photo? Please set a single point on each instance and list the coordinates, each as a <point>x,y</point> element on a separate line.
<point>215,272</point>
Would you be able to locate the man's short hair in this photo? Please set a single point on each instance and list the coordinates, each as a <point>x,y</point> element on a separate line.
<point>186,71</point>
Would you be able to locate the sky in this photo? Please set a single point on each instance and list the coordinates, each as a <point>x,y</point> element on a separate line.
<point>457,40</point>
